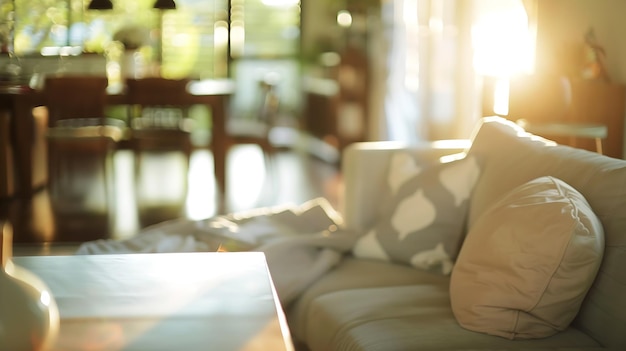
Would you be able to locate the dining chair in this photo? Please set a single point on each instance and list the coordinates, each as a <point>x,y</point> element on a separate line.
<point>6,158</point>
<point>160,135</point>
<point>257,129</point>
<point>81,144</point>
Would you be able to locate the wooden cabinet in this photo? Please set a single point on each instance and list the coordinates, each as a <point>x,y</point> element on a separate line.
<point>321,101</point>
<point>600,103</point>
<point>336,106</point>
<point>557,99</point>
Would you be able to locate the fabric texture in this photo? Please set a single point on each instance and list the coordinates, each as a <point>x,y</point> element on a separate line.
<point>510,157</point>
<point>528,262</point>
<point>414,317</point>
<point>239,231</point>
<point>423,222</point>
<point>355,274</point>
<point>301,243</point>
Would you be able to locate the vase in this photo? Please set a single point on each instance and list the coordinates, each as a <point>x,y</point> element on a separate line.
<point>29,317</point>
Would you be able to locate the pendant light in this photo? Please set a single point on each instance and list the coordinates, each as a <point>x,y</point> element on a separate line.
<point>165,5</point>
<point>100,5</point>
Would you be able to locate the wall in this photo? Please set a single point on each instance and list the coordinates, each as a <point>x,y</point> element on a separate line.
<point>561,27</point>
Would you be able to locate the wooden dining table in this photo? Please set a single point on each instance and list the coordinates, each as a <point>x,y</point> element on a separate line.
<point>19,100</point>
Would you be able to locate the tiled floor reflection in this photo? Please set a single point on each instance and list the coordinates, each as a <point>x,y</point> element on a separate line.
<point>292,177</point>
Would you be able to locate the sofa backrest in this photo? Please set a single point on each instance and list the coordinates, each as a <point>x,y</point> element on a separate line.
<point>512,157</point>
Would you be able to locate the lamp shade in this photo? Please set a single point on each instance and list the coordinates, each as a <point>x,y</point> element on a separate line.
<point>100,5</point>
<point>165,5</point>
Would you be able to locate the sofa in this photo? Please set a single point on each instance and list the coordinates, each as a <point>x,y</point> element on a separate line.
<point>383,303</point>
<point>505,241</point>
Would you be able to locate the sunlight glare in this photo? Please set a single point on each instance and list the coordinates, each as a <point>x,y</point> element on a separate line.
<point>201,198</point>
<point>125,206</point>
<point>344,18</point>
<point>502,40</point>
<point>221,34</point>
<point>247,169</point>
<point>45,298</point>
<point>501,97</point>
<point>237,37</point>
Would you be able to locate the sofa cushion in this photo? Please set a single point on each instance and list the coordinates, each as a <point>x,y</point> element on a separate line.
<point>528,262</point>
<point>510,157</point>
<point>423,222</point>
<point>411,317</point>
<point>354,274</point>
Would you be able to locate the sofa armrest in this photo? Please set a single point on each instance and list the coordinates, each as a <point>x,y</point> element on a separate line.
<point>364,168</point>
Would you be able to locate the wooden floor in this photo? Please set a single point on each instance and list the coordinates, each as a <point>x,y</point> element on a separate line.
<point>40,227</point>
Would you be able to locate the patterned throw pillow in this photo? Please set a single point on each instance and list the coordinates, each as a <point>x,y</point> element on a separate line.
<point>424,221</point>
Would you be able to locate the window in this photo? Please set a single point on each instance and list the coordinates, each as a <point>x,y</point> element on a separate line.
<point>242,39</point>
<point>265,28</point>
<point>265,41</point>
<point>195,36</point>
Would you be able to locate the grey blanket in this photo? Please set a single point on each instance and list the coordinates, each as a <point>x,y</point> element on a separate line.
<point>300,243</point>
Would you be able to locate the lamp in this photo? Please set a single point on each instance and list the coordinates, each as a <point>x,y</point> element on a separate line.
<point>100,5</point>
<point>165,5</point>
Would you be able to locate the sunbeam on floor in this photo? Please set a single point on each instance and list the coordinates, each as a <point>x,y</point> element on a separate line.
<point>290,177</point>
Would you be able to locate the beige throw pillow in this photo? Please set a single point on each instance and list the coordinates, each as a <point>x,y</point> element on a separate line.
<point>528,262</point>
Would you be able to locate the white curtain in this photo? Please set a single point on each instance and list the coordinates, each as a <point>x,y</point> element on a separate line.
<point>432,85</point>
<point>401,106</point>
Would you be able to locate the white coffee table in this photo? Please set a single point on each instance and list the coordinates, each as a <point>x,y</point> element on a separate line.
<point>182,301</point>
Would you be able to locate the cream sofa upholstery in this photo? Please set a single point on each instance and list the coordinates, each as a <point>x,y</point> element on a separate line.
<point>375,305</point>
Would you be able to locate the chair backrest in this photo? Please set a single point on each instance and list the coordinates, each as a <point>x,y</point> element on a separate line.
<point>256,127</point>
<point>155,91</point>
<point>6,157</point>
<point>157,102</point>
<point>268,102</point>
<point>75,96</point>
